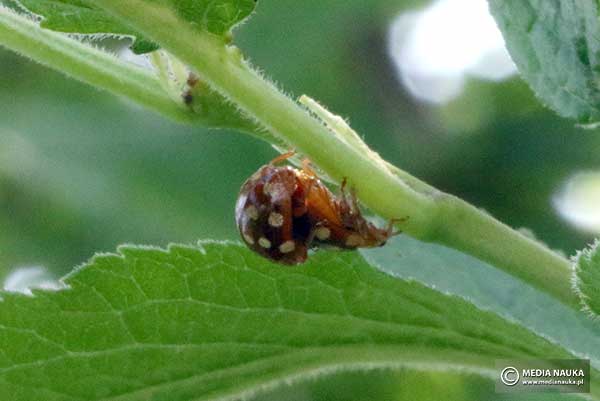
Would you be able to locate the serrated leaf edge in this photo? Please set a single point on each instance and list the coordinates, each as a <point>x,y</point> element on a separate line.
<point>584,254</point>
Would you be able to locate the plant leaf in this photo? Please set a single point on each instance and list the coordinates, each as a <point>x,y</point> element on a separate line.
<point>556,44</point>
<point>84,17</point>
<point>586,279</point>
<point>220,322</point>
<point>77,16</point>
<point>452,272</point>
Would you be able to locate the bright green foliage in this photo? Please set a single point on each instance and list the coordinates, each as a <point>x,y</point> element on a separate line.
<point>556,45</point>
<point>78,16</point>
<point>84,17</point>
<point>219,321</point>
<point>587,278</point>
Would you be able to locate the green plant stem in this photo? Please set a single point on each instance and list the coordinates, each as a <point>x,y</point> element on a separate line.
<point>224,68</point>
<point>87,64</point>
<point>433,217</point>
<point>389,191</point>
<point>464,227</point>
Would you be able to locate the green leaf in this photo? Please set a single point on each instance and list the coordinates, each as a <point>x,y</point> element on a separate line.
<point>586,278</point>
<point>219,321</point>
<point>453,272</point>
<point>77,16</point>
<point>84,17</point>
<point>556,44</point>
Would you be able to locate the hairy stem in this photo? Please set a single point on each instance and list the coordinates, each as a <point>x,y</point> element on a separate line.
<point>223,67</point>
<point>464,227</point>
<point>87,64</point>
<point>388,191</point>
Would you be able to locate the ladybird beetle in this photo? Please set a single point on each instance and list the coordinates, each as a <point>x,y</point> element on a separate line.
<point>282,212</point>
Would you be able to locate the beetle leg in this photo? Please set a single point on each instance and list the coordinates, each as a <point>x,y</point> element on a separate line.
<point>390,227</point>
<point>307,190</point>
<point>282,157</point>
<point>311,236</point>
<point>343,188</point>
<point>307,185</point>
<point>354,202</point>
<point>350,205</point>
<point>313,233</point>
<point>345,206</point>
<point>307,169</point>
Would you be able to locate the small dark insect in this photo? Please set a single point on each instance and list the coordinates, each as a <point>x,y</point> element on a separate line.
<point>281,212</point>
<point>187,95</point>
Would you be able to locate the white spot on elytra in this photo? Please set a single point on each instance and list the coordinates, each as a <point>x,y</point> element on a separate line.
<point>275,219</point>
<point>248,238</point>
<point>287,246</point>
<point>322,233</point>
<point>274,190</point>
<point>265,243</point>
<point>251,212</point>
<point>353,240</point>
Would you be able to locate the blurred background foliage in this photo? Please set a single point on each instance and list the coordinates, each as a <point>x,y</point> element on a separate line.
<point>81,172</point>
